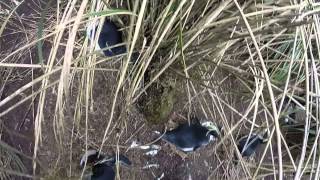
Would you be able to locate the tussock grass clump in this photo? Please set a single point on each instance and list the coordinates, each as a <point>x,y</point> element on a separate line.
<point>12,166</point>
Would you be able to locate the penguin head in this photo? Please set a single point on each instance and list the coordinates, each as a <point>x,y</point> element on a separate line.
<point>91,157</point>
<point>290,110</point>
<point>213,130</point>
<point>289,115</point>
<point>265,135</point>
<point>248,144</point>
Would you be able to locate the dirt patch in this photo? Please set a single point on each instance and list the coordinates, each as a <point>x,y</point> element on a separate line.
<point>126,128</point>
<point>17,125</point>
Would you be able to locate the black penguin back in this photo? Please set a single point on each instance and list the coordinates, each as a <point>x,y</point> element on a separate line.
<point>188,137</point>
<point>105,170</point>
<point>102,172</point>
<point>110,35</point>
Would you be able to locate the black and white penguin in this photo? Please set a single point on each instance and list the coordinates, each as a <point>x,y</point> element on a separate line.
<point>248,144</point>
<point>102,166</point>
<point>109,36</point>
<point>189,137</point>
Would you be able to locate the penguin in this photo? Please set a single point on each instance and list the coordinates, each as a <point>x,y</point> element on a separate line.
<point>189,137</point>
<point>109,36</point>
<point>248,144</point>
<point>102,166</point>
<point>288,115</point>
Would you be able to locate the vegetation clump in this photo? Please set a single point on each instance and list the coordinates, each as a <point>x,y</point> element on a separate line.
<point>158,102</point>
